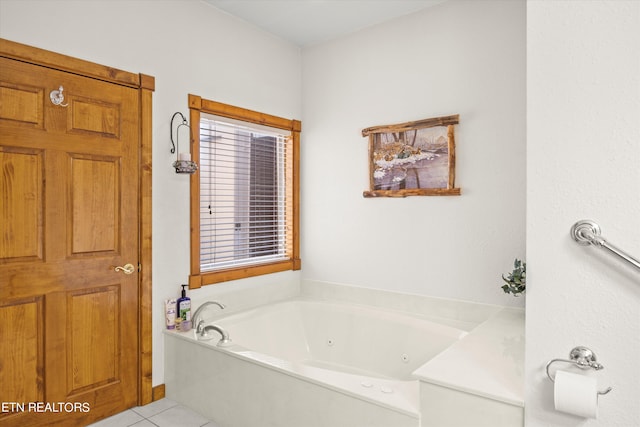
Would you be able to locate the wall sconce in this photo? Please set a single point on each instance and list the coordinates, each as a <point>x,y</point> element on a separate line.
<point>183,163</point>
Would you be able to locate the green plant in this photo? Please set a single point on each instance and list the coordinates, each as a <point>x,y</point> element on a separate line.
<point>516,281</point>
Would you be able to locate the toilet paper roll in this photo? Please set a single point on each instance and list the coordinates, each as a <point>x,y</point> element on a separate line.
<point>576,394</point>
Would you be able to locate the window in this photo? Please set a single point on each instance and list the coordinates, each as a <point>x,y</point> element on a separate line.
<point>244,196</point>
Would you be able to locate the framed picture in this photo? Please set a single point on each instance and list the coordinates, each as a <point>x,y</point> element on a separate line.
<point>412,159</point>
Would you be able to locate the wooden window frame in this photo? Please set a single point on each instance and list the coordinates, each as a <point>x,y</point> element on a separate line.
<point>198,278</point>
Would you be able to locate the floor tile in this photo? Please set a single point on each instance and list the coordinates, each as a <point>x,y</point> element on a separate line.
<point>123,419</point>
<point>154,408</point>
<point>178,416</point>
<point>144,423</point>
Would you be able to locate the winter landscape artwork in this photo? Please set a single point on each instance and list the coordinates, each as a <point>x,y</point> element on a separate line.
<point>412,159</point>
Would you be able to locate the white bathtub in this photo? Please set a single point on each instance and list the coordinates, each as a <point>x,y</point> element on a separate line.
<point>307,363</point>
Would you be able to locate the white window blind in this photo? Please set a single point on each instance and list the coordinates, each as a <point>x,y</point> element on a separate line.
<point>245,203</point>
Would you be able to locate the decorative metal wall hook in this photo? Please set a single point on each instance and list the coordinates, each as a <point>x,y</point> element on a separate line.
<point>184,123</point>
<point>183,163</point>
<point>583,358</point>
<point>57,97</point>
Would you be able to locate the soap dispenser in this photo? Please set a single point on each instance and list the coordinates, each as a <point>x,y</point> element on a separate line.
<point>184,310</point>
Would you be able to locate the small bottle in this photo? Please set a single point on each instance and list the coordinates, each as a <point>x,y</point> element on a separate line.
<point>184,310</point>
<point>170,313</point>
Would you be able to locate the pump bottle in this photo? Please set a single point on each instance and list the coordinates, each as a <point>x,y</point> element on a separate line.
<point>184,310</point>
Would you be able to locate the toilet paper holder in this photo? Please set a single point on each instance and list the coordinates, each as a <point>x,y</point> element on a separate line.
<point>583,358</point>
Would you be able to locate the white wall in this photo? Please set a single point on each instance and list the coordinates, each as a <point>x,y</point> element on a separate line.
<point>189,47</point>
<point>459,57</point>
<point>583,157</point>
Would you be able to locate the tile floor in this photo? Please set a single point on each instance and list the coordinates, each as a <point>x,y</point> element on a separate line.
<point>161,413</point>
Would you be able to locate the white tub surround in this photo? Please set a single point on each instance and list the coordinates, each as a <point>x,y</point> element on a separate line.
<point>314,362</point>
<point>239,295</point>
<point>483,373</point>
<point>235,391</point>
<point>459,314</point>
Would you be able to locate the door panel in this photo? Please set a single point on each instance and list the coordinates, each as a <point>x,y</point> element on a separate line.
<point>95,218</point>
<point>22,104</point>
<point>90,116</point>
<point>69,215</point>
<point>22,367</point>
<point>23,205</point>
<point>93,343</point>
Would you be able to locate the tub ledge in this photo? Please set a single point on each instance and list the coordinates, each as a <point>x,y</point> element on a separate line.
<point>484,371</point>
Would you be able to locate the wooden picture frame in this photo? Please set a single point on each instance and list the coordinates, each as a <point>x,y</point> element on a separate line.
<point>412,159</point>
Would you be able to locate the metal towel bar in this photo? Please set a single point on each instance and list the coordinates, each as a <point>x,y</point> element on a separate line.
<point>587,232</point>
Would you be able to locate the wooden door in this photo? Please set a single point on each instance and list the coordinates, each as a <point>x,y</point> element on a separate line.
<point>69,216</point>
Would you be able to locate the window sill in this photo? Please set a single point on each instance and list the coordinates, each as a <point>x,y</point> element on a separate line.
<point>218,276</point>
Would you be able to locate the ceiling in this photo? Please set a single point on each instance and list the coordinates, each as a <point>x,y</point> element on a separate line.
<point>309,22</point>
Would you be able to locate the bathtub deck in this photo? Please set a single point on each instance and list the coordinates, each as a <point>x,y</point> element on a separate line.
<point>488,362</point>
